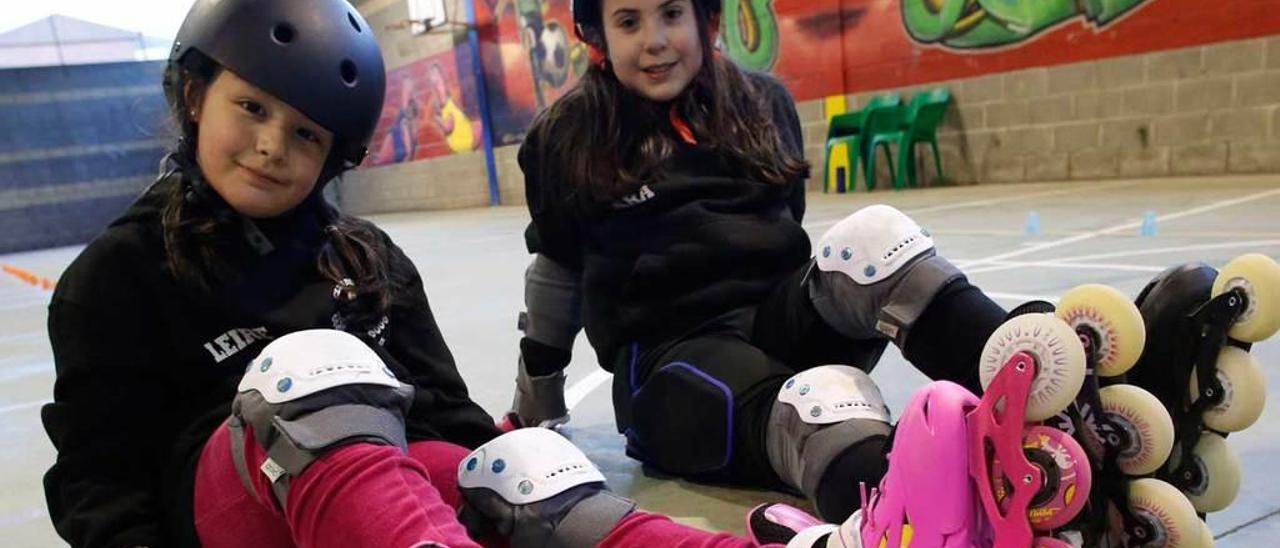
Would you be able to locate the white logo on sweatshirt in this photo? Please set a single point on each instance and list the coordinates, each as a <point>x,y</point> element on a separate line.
<point>635,198</point>
<point>228,344</point>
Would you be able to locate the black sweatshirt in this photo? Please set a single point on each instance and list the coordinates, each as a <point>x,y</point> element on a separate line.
<point>701,242</point>
<point>147,367</point>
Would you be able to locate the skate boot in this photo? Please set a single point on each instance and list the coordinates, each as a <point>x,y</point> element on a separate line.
<point>972,472</point>
<point>1200,324</point>
<point>927,498</point>
<point>977,472</point>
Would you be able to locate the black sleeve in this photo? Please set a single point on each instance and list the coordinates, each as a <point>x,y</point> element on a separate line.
<point>106,420</point>
<point>554,230</point>
<point>441,405</point>
<point>787,123</point>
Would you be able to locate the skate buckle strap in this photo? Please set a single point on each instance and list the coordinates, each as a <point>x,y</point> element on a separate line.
<point>913,294</point>
<point>591,519</point>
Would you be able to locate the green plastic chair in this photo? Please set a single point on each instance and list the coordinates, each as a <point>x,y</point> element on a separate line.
<point>920,125</point>
<point>847,128</point>
<point>881,127</point>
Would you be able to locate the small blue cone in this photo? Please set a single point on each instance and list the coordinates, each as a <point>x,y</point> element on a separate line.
<point>1033,224</point>
<point>1148,227</point>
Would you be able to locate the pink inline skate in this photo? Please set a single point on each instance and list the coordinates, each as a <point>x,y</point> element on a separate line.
<point>977,472</point>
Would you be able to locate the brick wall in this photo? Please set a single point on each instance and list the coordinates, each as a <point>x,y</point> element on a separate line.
<point>1204,110</point>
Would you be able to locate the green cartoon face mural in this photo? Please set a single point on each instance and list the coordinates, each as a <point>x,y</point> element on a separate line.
<point>749,33</point>
<point>987,23</point>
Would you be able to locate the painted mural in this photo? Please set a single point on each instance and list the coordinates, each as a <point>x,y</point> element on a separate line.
<point>821,48</point>
<point>989,23</point>
<point>428,112</point>
<point>530,59</point>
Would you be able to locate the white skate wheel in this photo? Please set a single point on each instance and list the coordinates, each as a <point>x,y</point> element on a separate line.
<point>1145,421</point>
<point>1259,276</point>
<point>1167,510</point>
<point>1206,536</point>
<point>1244,389</point>
<point>1219,471</point>
<point>1112,322</point>
<point>1057,351</point>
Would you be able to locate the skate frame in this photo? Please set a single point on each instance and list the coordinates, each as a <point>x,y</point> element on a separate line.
<point>1086,415</point>
<point>1215,319</point>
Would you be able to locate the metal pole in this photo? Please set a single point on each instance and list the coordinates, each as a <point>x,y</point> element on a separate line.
<point>482,90</point>
<point>57,42</point>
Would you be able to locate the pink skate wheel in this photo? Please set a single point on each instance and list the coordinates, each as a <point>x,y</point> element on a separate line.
<point>1049,542</point>
<point>1067,478</point>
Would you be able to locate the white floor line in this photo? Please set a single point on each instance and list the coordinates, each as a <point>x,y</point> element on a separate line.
<point>579,390</point>
<point>994,201</point>
<point>41,301</point>
<point>34,335</point>
<point>1020,297</point>
<point>1166,250</point>
<point>23,516</point>
<point>1057,264</point>
<point>1117,228</point>
<point>822,223</point>
<point>21,406</point>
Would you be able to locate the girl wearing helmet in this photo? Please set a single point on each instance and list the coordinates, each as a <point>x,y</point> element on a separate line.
<point>161,327</point>
<point>666,193</point>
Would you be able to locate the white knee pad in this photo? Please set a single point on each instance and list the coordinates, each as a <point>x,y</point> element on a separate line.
<point>820,413</point>
<point>288,396</point>
<point>527,465</point>
<point>535,487</point>
<point>875,272</point>
<point>871,244</point>
<point>302,363</point>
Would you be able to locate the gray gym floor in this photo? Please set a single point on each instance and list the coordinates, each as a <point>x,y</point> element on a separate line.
<point>473,262</point>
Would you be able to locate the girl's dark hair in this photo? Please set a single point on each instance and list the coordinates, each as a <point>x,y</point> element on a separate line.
<point>197,226</point>
<point>608,141</point>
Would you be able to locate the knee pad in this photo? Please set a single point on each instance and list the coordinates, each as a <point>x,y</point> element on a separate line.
<point>688,436</point>
<point>310,392</point>
<point>820,413</point>
<point>553,299</point>
<point>874,274</point>
<point>536,487</point>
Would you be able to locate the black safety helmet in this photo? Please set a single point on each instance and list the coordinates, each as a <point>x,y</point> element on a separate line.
<point>320,56</point>
<point>587,17</point>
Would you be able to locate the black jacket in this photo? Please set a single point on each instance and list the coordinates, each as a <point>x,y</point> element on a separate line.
<point>147,367</point>
<point>702,241</point>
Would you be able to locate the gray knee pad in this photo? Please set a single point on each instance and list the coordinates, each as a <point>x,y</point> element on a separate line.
<point>310,392</point>
<point>875,273</point>
<point>553,299</point>
<point>533,486</point>
<point>820,413</point>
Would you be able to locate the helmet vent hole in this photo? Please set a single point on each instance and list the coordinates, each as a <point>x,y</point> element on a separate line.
<point>351,18</point>
<point>349,72</point>
<point>283,33</point>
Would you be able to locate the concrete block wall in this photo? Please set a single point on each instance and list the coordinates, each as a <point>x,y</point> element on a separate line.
<point>447,182</point>
<point>1204,110</point>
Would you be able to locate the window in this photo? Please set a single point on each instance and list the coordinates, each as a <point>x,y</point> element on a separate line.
<point>425,15</point>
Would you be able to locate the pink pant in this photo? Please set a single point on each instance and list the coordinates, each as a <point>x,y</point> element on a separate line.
<point>372,495</point>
